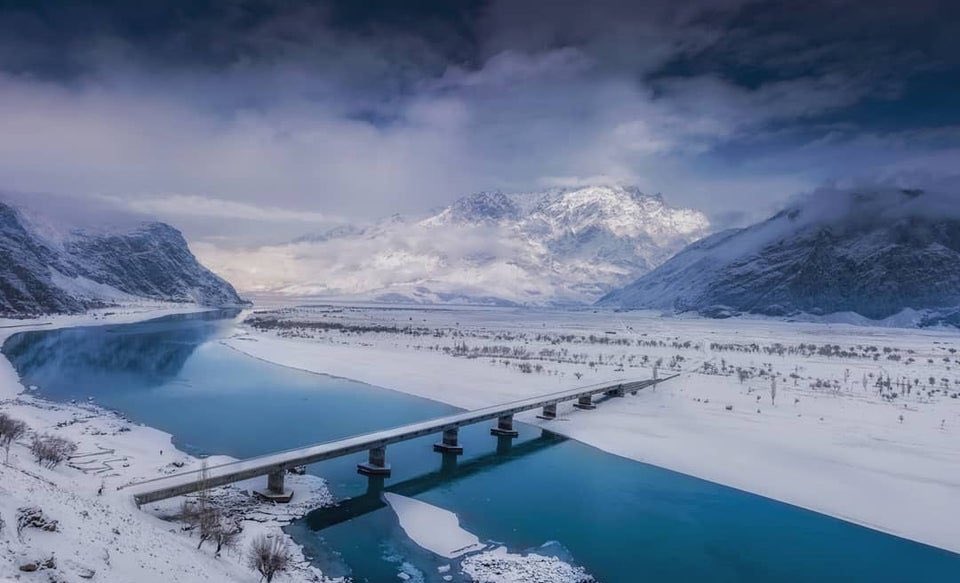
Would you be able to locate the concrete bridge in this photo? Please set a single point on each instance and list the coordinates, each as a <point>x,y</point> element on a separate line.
<point>276,465</point>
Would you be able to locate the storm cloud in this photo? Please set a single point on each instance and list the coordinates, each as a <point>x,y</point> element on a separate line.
<point>280,117</point>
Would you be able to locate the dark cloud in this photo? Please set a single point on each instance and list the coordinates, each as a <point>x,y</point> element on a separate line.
<point>199,109</point>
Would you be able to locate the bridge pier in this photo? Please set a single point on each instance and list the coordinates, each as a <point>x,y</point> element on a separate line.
<point>275,482</point>
<point>585,402</point>
<point>449,443</point>
<point>549,412</point>
<point>504,427</point>
<point>275,491</point>
<point>376,464</point>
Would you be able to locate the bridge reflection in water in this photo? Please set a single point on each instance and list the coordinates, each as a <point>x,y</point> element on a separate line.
<point>451,470</point>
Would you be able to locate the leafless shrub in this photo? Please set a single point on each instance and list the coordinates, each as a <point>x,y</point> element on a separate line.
<point>50,450</point>
<point>10,430</point>
<point>226,534</point>
<point>202,517</point>
<point>269,556</point>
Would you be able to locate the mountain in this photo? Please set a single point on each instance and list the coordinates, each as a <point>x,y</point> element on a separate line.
<point>555,247</point>
<point>873,252</point>
<point>44,272</point>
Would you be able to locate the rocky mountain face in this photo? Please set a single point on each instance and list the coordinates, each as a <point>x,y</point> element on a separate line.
<point>562,246</point>
<point>873,253</point>
<point>40,273</point>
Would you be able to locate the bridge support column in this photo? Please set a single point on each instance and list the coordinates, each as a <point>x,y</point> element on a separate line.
<point>275,482</point>
<point>449,443</point>
<point>376,464</point>
<point>504,427</point>
<point>549,412</point>
<point>585,402</point>
<point>275,491</point>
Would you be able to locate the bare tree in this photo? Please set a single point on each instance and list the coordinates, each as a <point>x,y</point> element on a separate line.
<point>269,556</point>
<point>773,391</point>
<point>226,535</point>
<point>50,450</point>
<point>10,430</point>
<point>200,514</point>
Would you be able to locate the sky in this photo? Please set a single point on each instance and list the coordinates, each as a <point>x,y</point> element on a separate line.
<point>245,123</point>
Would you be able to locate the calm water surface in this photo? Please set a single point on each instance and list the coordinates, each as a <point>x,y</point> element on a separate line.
<point>621,520</point>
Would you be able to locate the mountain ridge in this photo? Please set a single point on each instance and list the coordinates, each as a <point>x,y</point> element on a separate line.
<point>42,272</point>
<point>873,252</point>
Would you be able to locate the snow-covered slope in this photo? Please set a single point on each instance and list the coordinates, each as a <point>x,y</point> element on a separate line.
<point>874,252</point>
<point>42,271</point>
<point>555,247</point>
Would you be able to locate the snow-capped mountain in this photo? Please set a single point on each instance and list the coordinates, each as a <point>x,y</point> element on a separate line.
<point>560,246</point>
<point>44,272</point>
<point>874,252</point>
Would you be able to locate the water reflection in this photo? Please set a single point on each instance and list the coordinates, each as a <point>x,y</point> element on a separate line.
<point>451,470</point>
<point>101,358</point>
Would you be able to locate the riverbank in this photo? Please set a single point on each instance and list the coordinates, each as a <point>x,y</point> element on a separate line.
<point>850,431</point>
<point>100,534</point>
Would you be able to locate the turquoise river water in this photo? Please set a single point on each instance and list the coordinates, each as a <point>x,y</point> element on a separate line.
<point>621,520</point>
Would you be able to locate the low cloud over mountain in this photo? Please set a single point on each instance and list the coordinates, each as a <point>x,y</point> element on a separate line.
<point>558,246</point>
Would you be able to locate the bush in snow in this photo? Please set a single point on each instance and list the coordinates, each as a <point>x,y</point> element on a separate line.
<point>269,556</point>
<point>10,430</point>
<point>50,450</point>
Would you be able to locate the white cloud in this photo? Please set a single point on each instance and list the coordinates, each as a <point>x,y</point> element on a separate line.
<point>173,205</point>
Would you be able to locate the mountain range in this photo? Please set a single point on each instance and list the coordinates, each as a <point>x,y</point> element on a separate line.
<point>554,247</point>
<point>872,252</point>
<point>44,271</point>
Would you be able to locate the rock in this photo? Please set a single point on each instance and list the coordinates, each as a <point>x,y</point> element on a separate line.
<point>33,517</point>
<point>29,567</point>
<point>86,573</point>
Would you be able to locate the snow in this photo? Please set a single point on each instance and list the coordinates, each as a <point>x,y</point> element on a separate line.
<point>500,566</point>
<point>544,248</point>
<point>105,533</point>
<point>438,530</point>
<point>431,527</point>
<point>831,443</point>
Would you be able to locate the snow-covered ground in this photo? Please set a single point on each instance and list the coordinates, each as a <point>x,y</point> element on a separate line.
<point>100,534</point>
<point>433,528</point>
<point>865,424</point>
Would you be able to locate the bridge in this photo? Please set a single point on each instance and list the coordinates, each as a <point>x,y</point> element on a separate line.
<point>276,465</point>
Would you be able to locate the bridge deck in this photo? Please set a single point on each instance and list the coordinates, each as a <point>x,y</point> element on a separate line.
<point>186,482</point>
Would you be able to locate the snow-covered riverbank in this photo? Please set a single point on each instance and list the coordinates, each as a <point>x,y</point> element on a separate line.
<point>100,533</point>
<point>865,425</point>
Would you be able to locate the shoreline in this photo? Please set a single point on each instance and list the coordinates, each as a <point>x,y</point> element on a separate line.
<point>113,451</point>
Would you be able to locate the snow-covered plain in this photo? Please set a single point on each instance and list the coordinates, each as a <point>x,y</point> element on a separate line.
<point>865,425</point>
<point>103,536</point>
